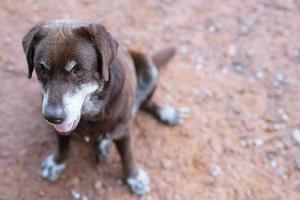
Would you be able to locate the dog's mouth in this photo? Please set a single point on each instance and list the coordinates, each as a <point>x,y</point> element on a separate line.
<point>66,128</point>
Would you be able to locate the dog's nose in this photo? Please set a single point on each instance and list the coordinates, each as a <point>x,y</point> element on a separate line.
<point>54,115</point>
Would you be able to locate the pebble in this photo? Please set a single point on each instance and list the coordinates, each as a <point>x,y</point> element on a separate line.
<point>297,166</point>
<point>232,50</point>
<point>98,185</point>
<point>283,114</point>
<point>177,196</point>
<point>279,126</point>
<point>278,145</point>
<point>279,79</point>
<point>260,75</point>
<point>258,142</point>
<point>225,71</point>
<point>282,175</point>
<point>216,171</point>
<point>199,63</point>
<point>166,164</point>
<point>183,50</point>
<point>75,195</point>
<point>244,29</point>
<point>239,67</point>
<point>273,163</point>
<point>285,117</point>
<point>41,193</point>
<point>84,198</point>
<point>243,143</point>
<point>211,29</point>
<point>280,111</point>
<point>296,136</point>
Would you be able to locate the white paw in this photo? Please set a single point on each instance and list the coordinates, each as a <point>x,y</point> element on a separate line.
<point>50,169</point>
<point>104,147</point>
<point>140,183</point>
<point>172,116</point>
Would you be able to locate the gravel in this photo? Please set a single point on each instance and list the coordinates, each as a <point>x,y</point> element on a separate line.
<point>216,171</point>
<point>296,136</point>
<point>258,142</point>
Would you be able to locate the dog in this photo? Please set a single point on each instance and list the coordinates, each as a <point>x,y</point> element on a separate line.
<point>87,80</point>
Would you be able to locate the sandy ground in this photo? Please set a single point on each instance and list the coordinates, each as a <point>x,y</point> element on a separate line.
<point>237,68</point>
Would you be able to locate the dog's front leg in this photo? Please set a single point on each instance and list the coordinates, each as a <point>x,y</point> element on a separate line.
<point>54,164</point>
<point>136,178</point>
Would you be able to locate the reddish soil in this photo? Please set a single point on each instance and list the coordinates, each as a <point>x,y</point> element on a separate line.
<point>237,68</point>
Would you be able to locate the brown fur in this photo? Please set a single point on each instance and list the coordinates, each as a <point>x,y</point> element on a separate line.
<point>124,77</point>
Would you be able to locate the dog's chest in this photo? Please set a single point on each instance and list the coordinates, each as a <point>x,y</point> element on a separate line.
<point>91,106</point>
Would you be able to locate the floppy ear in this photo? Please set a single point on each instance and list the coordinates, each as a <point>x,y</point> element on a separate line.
<point>30,40</point>
<point>105,44</point>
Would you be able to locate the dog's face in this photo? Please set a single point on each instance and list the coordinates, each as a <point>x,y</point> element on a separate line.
<point>72,61</point>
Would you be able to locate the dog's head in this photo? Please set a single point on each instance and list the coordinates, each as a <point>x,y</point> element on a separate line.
<point>72,61</point>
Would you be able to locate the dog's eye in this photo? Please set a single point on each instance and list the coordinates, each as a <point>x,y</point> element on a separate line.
<point>42,67</point>
<point>76,70</point>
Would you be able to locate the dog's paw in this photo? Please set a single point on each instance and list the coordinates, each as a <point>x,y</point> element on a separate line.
<point>171,116</point>
<point>139,183</point>
<point>50,169</point>
<point>104,147</point>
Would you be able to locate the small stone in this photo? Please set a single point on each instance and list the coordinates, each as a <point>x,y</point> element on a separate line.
<point>276,84</point>
<point>249,142</point>
<point>232,50</point>
<point>84,197</point>
<point>207,92</point>
<point>297,166</point>
<point>280,77</point>
<point>282,175</point>
<point>75,195</point>
<point>258,142</point>
<point>183,50</point>
<point>238,67</point>
<point>279,126</point>
<point>225,71</point>
<point>244,29</point>
<point>260,74</point>
<point>273,163</point>
<point>280,111</point>
<point>199,66</point>
<point>98,185</point>
<point>216,171</point>
<point>285,117</point>
<point>199,63</point>
<point>166,164</point>
<point>279,145</point>
<point>243,143</point>
<point>177,196</point>
<point>296,136</point>
<point>41,193</point>
<point>211,29</point>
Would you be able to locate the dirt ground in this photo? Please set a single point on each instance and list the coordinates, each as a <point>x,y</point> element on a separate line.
<point>237,68</point>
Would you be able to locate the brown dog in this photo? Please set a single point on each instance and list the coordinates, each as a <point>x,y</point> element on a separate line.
<point>87,82</point>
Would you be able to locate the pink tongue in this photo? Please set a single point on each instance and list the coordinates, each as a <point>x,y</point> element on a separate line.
<point>63,128</point>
